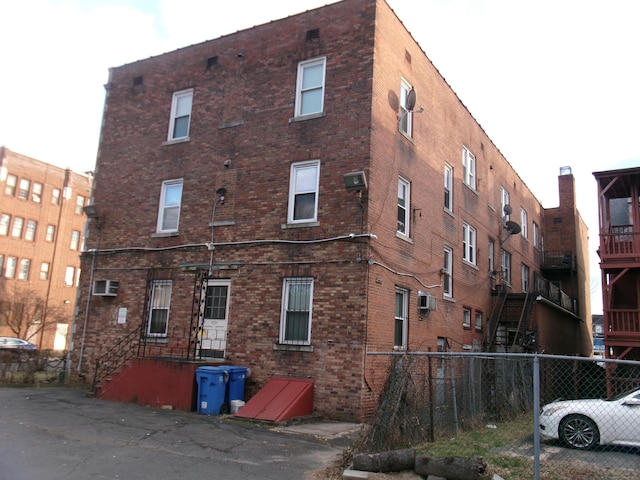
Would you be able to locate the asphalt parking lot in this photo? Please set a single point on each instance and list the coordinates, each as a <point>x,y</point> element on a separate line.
<point>61,433</point>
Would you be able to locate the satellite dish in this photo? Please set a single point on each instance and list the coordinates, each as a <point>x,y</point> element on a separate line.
<point>411,100</point>
<point>507,209</point>
<point>512,227</point>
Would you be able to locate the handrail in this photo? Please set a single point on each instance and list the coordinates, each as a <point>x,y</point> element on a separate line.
<point>116,356</point>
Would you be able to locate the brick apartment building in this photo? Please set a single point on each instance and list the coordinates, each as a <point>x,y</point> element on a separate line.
<point>295,195</point>
<point>41,235</point>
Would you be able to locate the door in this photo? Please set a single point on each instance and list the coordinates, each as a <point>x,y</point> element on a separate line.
<point>214,318</point>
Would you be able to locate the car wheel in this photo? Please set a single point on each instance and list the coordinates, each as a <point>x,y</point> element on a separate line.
<point>578,431</point>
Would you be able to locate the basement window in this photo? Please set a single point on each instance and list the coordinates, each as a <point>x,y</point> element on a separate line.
<point>313,34</point>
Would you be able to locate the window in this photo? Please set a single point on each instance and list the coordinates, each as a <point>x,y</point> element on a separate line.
<point>466,317</point>
<point>25,266</point>
<point>16,231</point>
<point>303,192</point>
<point>79,204</point>
<point>447,280</point>
<point>490,251</point>
<point>23,190</point>
<point>170,200</point>
<point>36,192</point>
<point>180,114</point>
<point>69,275</point>
<point>524,220</point>
<point>1,263</point>
<point>51,233</point>
<point>75,240</point>
<point>525,278</point>
<point>55,196</point>
<point>4,224</point>
<point>10,187</point>
<point>469,168</point>
<point>403,206</point>
<point>159,308</point>
<point>401,319</point>
<point>295,320</point>
<point>536,235</point>
<point>44,271</point>
<point>468,243</point>
<point>10,270</point>
<point>448,187</point>
<point>30,233</point>
<point>506,266</point>
<point>478,321</point>
<point>406,116</point>
<point>310,87</point>
<point>504,201</point>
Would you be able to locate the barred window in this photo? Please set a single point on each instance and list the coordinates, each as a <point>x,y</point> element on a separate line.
<point>159,308</point>
<point>297,301</point>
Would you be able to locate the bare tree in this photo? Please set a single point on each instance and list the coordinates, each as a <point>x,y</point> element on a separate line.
<point>27,314</point>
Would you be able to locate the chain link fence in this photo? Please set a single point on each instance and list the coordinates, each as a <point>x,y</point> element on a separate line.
<point>586,410</point>
<point>32,366</point>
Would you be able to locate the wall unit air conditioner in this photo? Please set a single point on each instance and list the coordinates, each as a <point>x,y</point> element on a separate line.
<point>426,302</point>
<point>105,288</point>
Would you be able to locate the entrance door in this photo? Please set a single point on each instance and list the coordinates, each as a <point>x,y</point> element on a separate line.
<point>214,318</point>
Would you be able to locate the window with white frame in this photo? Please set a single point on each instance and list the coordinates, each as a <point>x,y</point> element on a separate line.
<point>5,220</point>
<point>23,190</point>
<point>406,116</point>
<point>25,266</point>
<point>447,277</point>
<point>80,200</point>
<point>75,240</point>
<point>404,191</point>
<point>469,168</point>
<point>36,192</point>
<point>466,317</point>
<point>69,275</point>
<point>180,114</point>
<point>10,186</point>
<point>491,256</point>
<point>536,235</point>
<point>295,319</point>
<point>525,278</point>
<point>55,196</point>
<point>10,269</point>
<point>401,319</point>
<point>44,271</point>
<point>18,223</point>
<point>170,202</point>
<point>504,201</point>
<point>524,221</point>
<point>30,232</point>
<point>448,187</point>
<point>50,234</point>
<point>468,243</point>
<point>159,308</point>
<point>310,87</point>
<point>505,260</point>
<point>303,192</point>
<point>478,320</point>
<point>1,264</point>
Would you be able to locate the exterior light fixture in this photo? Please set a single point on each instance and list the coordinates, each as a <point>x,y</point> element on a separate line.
<point>355,181</point>
<point>91,211</point>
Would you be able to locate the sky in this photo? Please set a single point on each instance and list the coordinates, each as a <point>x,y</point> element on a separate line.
<point>552,82</point>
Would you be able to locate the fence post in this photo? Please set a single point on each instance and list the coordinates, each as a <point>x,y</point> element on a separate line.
<point>536,417</point>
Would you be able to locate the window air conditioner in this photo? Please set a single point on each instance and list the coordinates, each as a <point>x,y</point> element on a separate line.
<point>426,301</point>
<point>105,288</point>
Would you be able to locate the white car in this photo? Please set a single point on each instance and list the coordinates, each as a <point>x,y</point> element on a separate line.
<point>584,424</point>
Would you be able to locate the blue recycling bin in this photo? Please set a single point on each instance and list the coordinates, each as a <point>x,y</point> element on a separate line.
<point>212,389</point>
<point>237,377</point>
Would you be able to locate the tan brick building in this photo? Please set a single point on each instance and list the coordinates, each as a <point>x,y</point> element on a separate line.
<point>41,236</point>
<point>295,195</point>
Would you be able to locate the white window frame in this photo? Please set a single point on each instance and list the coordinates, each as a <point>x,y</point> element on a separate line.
<point>469,237</point>
<point>299,188</point>
<point>177,103</point>
<point>468,168</point>
<point>10,186</point>
<point>466,317</point>
<point>479,319</point>
<point>405,124</point>
<point>491,257</point>
<point>44,271</point>
<point>30,231</point>
<point>18,225</point>
<point>536,235</point>
<point>304,90</point>
<point>51,233</point>
<point>504,201</point>
<point>164,207</point>
<point>404,207</point>
<point>5,221</point>
<point>10,269</point>
<point>23,188</point>
<point>447,275</point>
<point>55,196</point>
<point>160,301</point>
<point>505,266</point>
<point>524,277</point>
<point>524,221</point>
<point>80,201</point>
<point>75,240</point>
<point>448,187</point>
<point>36,192</point>
<point>401,319</point>
<point>287,302</point>
<point>25,267</point>
<point>69,275</point>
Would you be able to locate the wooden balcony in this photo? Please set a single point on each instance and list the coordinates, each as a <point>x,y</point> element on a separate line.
<point>621,244</point>
<point>622,325</point>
